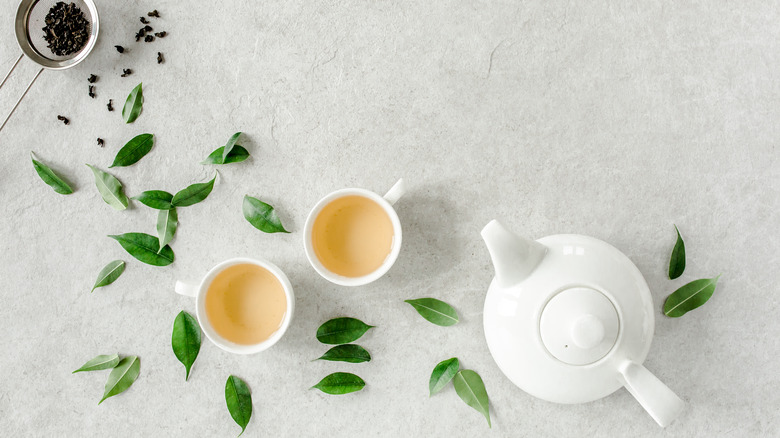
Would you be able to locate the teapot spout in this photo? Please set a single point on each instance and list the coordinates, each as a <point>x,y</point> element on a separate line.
<point>514,258</point>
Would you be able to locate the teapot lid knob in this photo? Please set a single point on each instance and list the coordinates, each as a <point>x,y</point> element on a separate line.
<point>587,331</point>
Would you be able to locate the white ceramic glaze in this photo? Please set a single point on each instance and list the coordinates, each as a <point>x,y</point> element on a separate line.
<point>199,293</point>
<point>386,202</point>
<point>570,319</point>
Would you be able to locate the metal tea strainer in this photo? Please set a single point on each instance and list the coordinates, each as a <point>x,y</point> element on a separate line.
<point>30,36</point>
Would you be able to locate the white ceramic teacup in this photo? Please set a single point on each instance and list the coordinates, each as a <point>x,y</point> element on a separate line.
<point>199,293</point>
<point>386,202</point>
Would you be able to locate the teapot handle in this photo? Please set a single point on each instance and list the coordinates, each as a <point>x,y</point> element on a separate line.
<point>658,400</point>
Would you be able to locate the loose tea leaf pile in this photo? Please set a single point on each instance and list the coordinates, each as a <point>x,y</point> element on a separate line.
<point>66,30</point>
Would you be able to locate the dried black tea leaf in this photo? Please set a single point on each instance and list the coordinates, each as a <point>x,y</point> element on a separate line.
<point>160,58</point>
<point>100,142</point>
<point>92,79</point>
<point>144,20</point>
<point>110,104</point>
<point>120,49</point>
<point>92,91</point>
<point>149,38</point>
<point>63,119</point>
<point>161,34</point>
<point>67,30</point>
<point>126,72</point>
<point>154,13</point>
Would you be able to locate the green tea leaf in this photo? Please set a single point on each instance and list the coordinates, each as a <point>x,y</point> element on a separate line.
<point>109,274</point>
<point>134,150</point>
<point>133,105</point>
<point>102,362</point>
<point>346,353</point>
<point>229,146</point>
<point>193,194</point>
<point>471,390</point>
<point>342,331</point>
<point>689,297</point>
<point>167,223</point>
<point>677,261</point>
<point>262,216</point>
<point>156,199</point>
<point>237,155</point>
<point>122,377</point>
<point>52,179</point>
<point>110,189</point>
<point>435,311</point>
<point>239,401</point>
<point>145,248</point>
<point>340,383</point>
<point>442,374</point>
<point>185,340</point>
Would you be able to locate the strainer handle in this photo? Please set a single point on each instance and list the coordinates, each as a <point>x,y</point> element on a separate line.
<point>20,99</point>
<point>11,70</point>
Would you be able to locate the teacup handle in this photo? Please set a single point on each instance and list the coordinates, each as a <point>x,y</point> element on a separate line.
<point>395,192</point>
<point>187,289</point>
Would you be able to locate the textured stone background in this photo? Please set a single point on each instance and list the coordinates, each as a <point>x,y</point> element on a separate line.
<point>604,118</point>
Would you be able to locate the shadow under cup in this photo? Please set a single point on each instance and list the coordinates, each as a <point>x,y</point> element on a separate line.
<point>244,305</point>
<point>352,237</point>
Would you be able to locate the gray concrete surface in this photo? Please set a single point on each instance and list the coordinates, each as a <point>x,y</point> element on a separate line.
<point>612,119</point>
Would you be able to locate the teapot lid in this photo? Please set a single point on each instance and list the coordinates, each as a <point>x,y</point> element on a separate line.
<point>579,326</point>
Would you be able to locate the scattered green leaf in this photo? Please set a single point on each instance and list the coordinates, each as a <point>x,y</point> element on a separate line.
<point>346,353</point>
<point>193,194</point>
<point>340,383</point>
<point>134,150</point>
<point>133,105</point>
<point>157,199</point>
<point>342,330</point>
<point>442,374</point>
<point>109,274</point>
<point>435,311</point>
<point>262,216</point>
<point>239,401</point>
<point>102,362</point>
<point>689,297</point>
<point>677,261</point>
<point>122,376</point>
<point>167,223</point>
<point>229,146</point>
<point>185,340</point>
<point>110,189</point>
<point>237,155</point>
<point>471,390</point>
<point>145,248</point>
<point>52,179</point>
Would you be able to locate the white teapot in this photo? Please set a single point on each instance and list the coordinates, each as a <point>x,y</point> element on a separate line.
<point>569,319</point>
